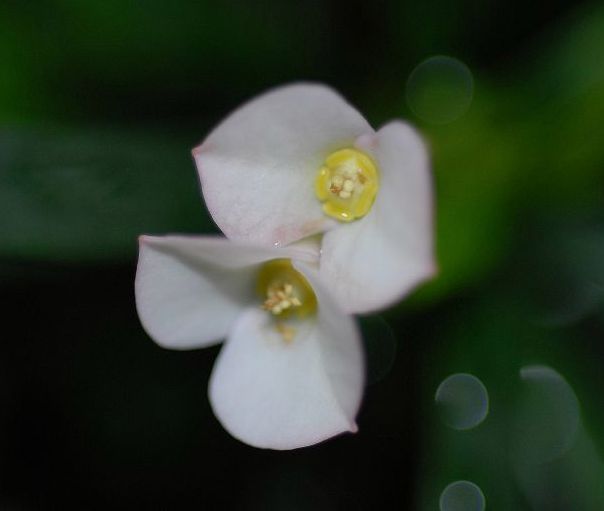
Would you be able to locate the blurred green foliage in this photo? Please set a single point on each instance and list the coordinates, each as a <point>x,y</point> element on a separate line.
<point>83,195</point>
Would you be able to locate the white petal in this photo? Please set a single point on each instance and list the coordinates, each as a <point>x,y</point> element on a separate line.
<point>373,262</point>
<point>257,168</point>
<point>342,350</point>
<point>189,291</point>
<point>275,394</point>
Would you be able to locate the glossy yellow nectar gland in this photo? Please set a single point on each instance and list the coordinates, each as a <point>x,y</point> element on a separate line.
<point>347,184</point>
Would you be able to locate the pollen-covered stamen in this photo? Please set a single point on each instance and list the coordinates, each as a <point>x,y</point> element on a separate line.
<point>280,297</point>
<point>347,184</point>
<point>346,181</point>
<point>284,291</point>
<point>286,295</point>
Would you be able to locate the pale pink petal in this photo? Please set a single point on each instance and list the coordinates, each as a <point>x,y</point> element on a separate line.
<point>373,262</point>
<point>257,168</point>
<point>190,290</point>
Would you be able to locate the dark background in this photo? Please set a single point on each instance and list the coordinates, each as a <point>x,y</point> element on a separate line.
<point>100,105</point>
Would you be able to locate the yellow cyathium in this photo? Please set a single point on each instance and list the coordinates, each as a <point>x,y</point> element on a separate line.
<point>347,184</point>
<point>284,290</point>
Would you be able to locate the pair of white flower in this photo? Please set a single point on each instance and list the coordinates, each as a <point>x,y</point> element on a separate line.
<point>324,218</point>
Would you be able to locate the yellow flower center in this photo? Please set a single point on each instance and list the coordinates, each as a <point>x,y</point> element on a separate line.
<point>284,290</point>
<point>286,293</point>
<point>347,184</point>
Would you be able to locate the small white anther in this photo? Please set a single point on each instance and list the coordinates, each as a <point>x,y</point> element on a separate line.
<point>350,172</point>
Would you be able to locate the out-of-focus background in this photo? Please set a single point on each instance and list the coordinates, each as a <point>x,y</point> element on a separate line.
<point>485,387</point>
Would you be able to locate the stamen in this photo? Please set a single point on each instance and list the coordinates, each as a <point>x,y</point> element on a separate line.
<point>347,184</point>
<point>280,297</point>
<point>287,332</point>
<point>284,291</point>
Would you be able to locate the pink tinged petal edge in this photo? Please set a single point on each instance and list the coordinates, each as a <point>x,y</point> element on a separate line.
<point>277,395</point>
<point>190,290</point>
<point>375,261</point>
<point>257,168</point>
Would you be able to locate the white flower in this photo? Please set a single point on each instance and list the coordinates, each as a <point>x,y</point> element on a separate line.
<point>291,371</point>
<point>299,160</point>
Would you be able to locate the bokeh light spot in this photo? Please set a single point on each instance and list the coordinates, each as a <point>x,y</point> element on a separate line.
<point>462,496</point>
<point>440,89</point>
<point>463,401</point>
<point>548,416</point>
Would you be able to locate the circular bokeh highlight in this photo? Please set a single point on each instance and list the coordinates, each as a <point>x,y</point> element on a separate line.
<point>462,496</point>
<point>440,89</point>
<point>462,401</point>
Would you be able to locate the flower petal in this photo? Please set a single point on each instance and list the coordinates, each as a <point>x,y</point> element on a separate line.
<point>278,394</point>
<point>342,350</point>
<point>257,168</point>
<point>373,262</point>
<point>190,290</point>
